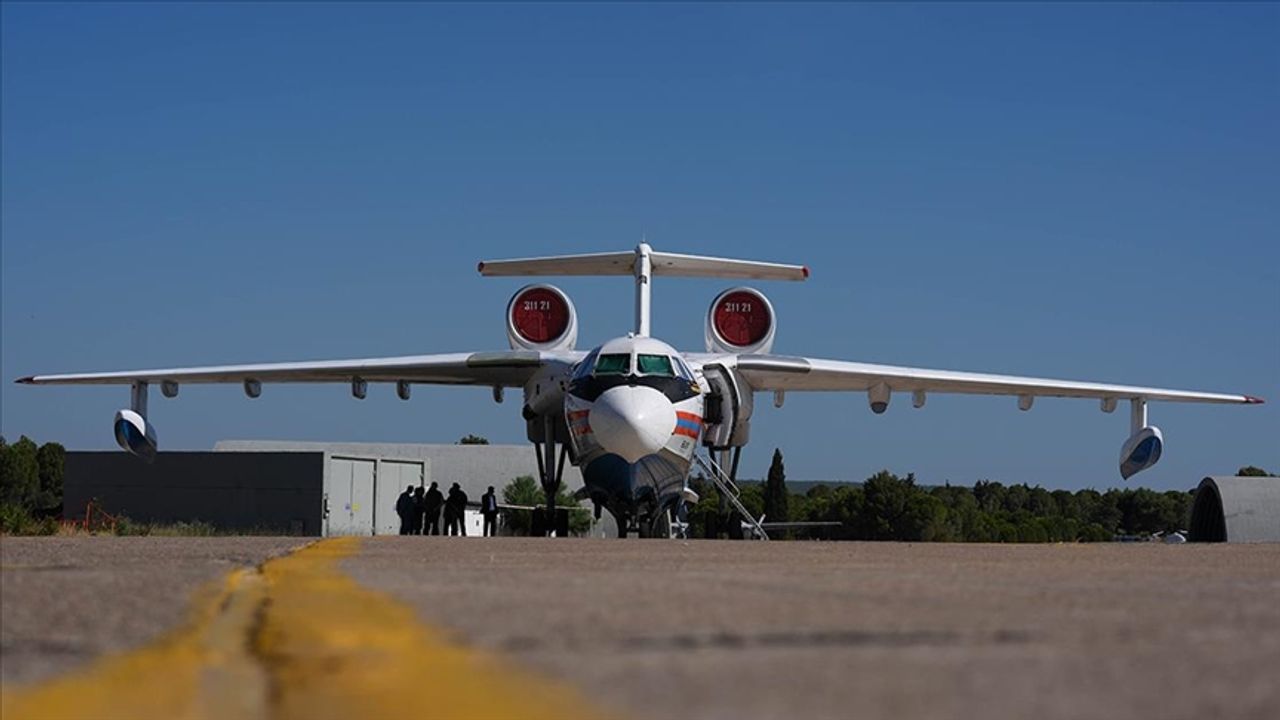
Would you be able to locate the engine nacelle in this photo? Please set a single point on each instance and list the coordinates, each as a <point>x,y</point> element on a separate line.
<point>541,317</point>
<point>1141,451</point>
<point>135,435</point>
<point>741,320</point>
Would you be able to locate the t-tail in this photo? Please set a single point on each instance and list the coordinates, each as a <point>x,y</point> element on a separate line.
<point>643,264</point>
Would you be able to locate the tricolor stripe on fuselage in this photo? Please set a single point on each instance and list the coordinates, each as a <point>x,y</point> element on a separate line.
<point>688,424</point>
<point>578,422</point>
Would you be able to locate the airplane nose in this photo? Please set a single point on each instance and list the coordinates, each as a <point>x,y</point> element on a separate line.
<point>632,422</point>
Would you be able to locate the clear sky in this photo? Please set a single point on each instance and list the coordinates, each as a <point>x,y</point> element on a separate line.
<point>1074,191</point>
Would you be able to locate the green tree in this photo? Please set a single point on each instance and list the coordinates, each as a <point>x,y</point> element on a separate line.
<point>20,481</point>
<point>50,464</point>
<point>776,497</point>
<point>1017,497</point>
<point>1101,509</point>
<point>704,516</point>
<point>989,494</point>
<point>893,508</point>
<point>752,498</point>
<point>1041,502</point>
<point>1252,471</point>
<point>524,490</point>
<point>925,519</point>
<point>470,439</point>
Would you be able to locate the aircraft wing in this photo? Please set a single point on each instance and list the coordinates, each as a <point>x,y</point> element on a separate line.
<point>504,369</point>
<point>785,373</point>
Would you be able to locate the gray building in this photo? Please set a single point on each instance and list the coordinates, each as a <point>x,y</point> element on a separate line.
<point>305,488</point>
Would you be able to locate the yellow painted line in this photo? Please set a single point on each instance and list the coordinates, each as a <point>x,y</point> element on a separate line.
<point>162,680</point>
<point>299,639</point>
<point>339,650</point>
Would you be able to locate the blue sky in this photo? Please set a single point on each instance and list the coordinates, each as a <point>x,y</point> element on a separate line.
<point>1075,191</point>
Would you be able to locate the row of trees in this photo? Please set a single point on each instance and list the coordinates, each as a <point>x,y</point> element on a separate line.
<point>31,475</point>
<point>889,507</point>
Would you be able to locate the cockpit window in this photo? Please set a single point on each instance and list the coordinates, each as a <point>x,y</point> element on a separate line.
<point>619,364</point>
<point>654,365</point>
<point>584,367</point>
<point>683,370</point>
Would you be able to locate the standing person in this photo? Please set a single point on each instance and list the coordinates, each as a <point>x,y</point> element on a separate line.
<point>455,509</point>
<point>419,510</point>
<point>462,511</point>
<point>404,508</point>
<point>431,506</point>
<point>449,508</point>
<point>489,508</point>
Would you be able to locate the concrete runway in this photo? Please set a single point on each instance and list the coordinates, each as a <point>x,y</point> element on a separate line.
<point>763,630</point>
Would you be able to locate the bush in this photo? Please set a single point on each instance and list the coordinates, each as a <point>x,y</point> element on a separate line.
<point>196,528</point>
<point>125,526</point>
<point>17,520</point>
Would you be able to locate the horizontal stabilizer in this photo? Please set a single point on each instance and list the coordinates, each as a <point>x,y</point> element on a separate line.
<point>616,263</point>
<point>713,267</point>
<point>662,263</point>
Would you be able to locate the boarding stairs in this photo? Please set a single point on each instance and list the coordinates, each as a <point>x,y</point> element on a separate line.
<point>729,489</point>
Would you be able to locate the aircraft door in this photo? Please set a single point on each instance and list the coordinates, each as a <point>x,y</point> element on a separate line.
<point>730,402</point>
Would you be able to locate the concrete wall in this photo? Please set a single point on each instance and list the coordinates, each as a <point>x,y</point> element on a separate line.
<point>283,486</point>
<point>1236,509</point>
<point>474,467</point>
<point>276,492</point>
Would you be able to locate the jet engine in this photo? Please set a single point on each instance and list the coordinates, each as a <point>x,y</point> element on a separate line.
<point>541,317</point>
<point>135,435</point>
<point>741,320</point>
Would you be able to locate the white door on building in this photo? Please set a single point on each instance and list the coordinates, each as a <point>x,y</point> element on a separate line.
<point>393,477</point>
<point>351,486</point>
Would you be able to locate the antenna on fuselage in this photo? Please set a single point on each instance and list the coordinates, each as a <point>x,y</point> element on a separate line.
<point>643,263</point>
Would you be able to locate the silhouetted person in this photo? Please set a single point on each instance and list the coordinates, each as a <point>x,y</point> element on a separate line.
<point>489,508</point>
<point>455,510</point>
<point>538,523</point>
<point>449,522</point>
<point>431,506</point>
<point>404,508</point>
<point>419,510</point>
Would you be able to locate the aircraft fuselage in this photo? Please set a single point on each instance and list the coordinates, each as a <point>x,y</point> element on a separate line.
<point>634,409</point>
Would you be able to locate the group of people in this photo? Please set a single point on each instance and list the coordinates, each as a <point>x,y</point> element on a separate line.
<point>419,510</point>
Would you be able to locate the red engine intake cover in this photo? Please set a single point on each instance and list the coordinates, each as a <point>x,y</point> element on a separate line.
<point>540,315</point>
<point>742,318</point>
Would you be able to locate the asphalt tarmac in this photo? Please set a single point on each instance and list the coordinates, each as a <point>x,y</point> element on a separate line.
<point>67,600</point>
<point>748,630</point>
<point>869,630</point>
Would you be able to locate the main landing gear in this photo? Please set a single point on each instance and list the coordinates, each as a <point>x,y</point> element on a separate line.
<point>551,468</point>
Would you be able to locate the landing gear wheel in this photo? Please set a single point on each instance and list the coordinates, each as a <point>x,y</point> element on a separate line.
<point>658,526</point>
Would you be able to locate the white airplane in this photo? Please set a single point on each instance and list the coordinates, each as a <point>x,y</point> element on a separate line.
<point>633,412</point>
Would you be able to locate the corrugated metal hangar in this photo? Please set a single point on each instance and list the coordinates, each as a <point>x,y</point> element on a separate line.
<point>301,488</point>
